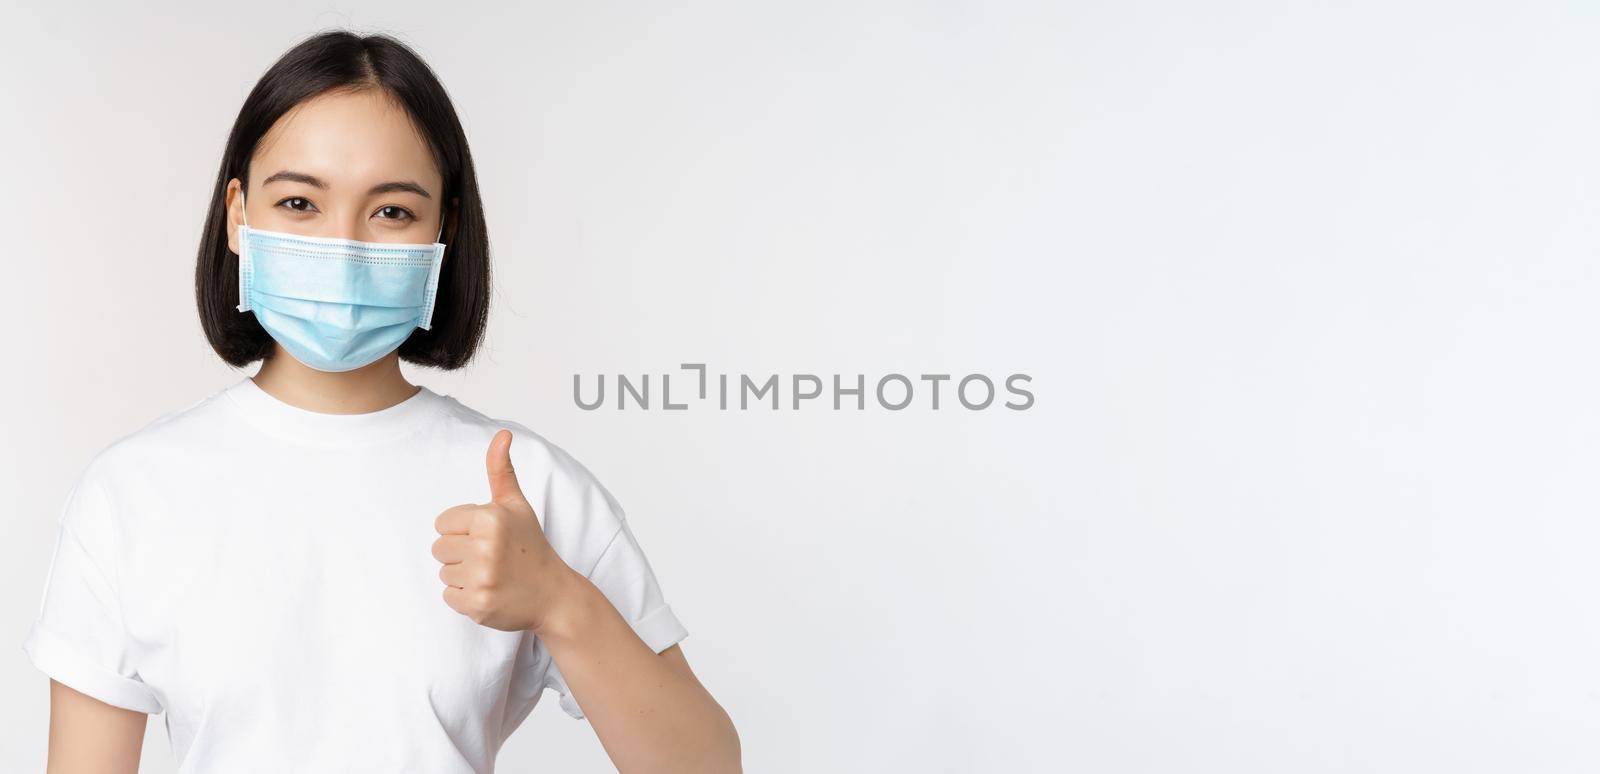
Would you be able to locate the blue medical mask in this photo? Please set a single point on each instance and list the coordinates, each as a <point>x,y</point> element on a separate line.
<point>337,304</point>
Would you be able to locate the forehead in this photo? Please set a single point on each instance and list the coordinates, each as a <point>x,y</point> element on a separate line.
<point>352,140</point>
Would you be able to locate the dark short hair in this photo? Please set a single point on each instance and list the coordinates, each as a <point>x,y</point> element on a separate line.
<point>341,60</point>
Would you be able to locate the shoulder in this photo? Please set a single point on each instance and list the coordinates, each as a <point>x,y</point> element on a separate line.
<point>92,511</point>
<point>158,443</point>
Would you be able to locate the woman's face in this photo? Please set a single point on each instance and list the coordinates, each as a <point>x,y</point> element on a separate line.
<point>349,165</point>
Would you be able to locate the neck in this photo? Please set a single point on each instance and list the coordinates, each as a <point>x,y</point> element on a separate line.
<point>372,387</point>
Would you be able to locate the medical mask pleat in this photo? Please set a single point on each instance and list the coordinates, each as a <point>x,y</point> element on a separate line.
<point>335,279</point>
<point>337,304</point>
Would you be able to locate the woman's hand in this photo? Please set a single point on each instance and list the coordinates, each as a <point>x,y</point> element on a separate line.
<point>498,568</point>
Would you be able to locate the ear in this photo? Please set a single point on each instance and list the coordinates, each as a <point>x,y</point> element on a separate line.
<point>451,220</point>
<point>233,213</point>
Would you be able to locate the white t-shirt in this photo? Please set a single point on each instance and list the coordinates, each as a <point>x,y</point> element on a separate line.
<point>264,576</point>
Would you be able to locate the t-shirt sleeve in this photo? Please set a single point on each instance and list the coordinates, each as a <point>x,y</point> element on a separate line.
<point>78,637</point>
<point>624,575</point>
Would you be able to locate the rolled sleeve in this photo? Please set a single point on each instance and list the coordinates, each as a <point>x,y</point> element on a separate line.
<point>79,637</point>
<point>623,574</point>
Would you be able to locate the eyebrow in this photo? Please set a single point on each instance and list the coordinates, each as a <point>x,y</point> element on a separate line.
<point>288,175</point>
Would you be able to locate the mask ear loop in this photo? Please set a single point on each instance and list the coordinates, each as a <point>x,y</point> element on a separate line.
<point>433,277</point>
<point>245,266</point>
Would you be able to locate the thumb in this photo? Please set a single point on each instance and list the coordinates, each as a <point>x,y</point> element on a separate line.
<point>502,477</point>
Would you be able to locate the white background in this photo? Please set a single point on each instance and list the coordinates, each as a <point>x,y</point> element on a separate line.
<point>1308,293</point>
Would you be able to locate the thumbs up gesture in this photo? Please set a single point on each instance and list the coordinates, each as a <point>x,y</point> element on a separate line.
<point>498,568</point>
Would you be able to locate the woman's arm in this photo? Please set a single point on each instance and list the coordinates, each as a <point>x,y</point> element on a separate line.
<point>649,710</point>
<point>89,736</point>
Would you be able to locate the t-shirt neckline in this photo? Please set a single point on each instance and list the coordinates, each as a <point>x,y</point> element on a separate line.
<point>292,423</point>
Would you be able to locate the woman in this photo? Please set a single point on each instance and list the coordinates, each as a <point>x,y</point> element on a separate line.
<point>324,567</point>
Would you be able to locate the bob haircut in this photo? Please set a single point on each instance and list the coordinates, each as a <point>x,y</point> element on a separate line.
<point>341,60</point>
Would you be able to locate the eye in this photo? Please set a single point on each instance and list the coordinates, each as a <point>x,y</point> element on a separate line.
<point>398,213</point>
<point>306,202</point>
